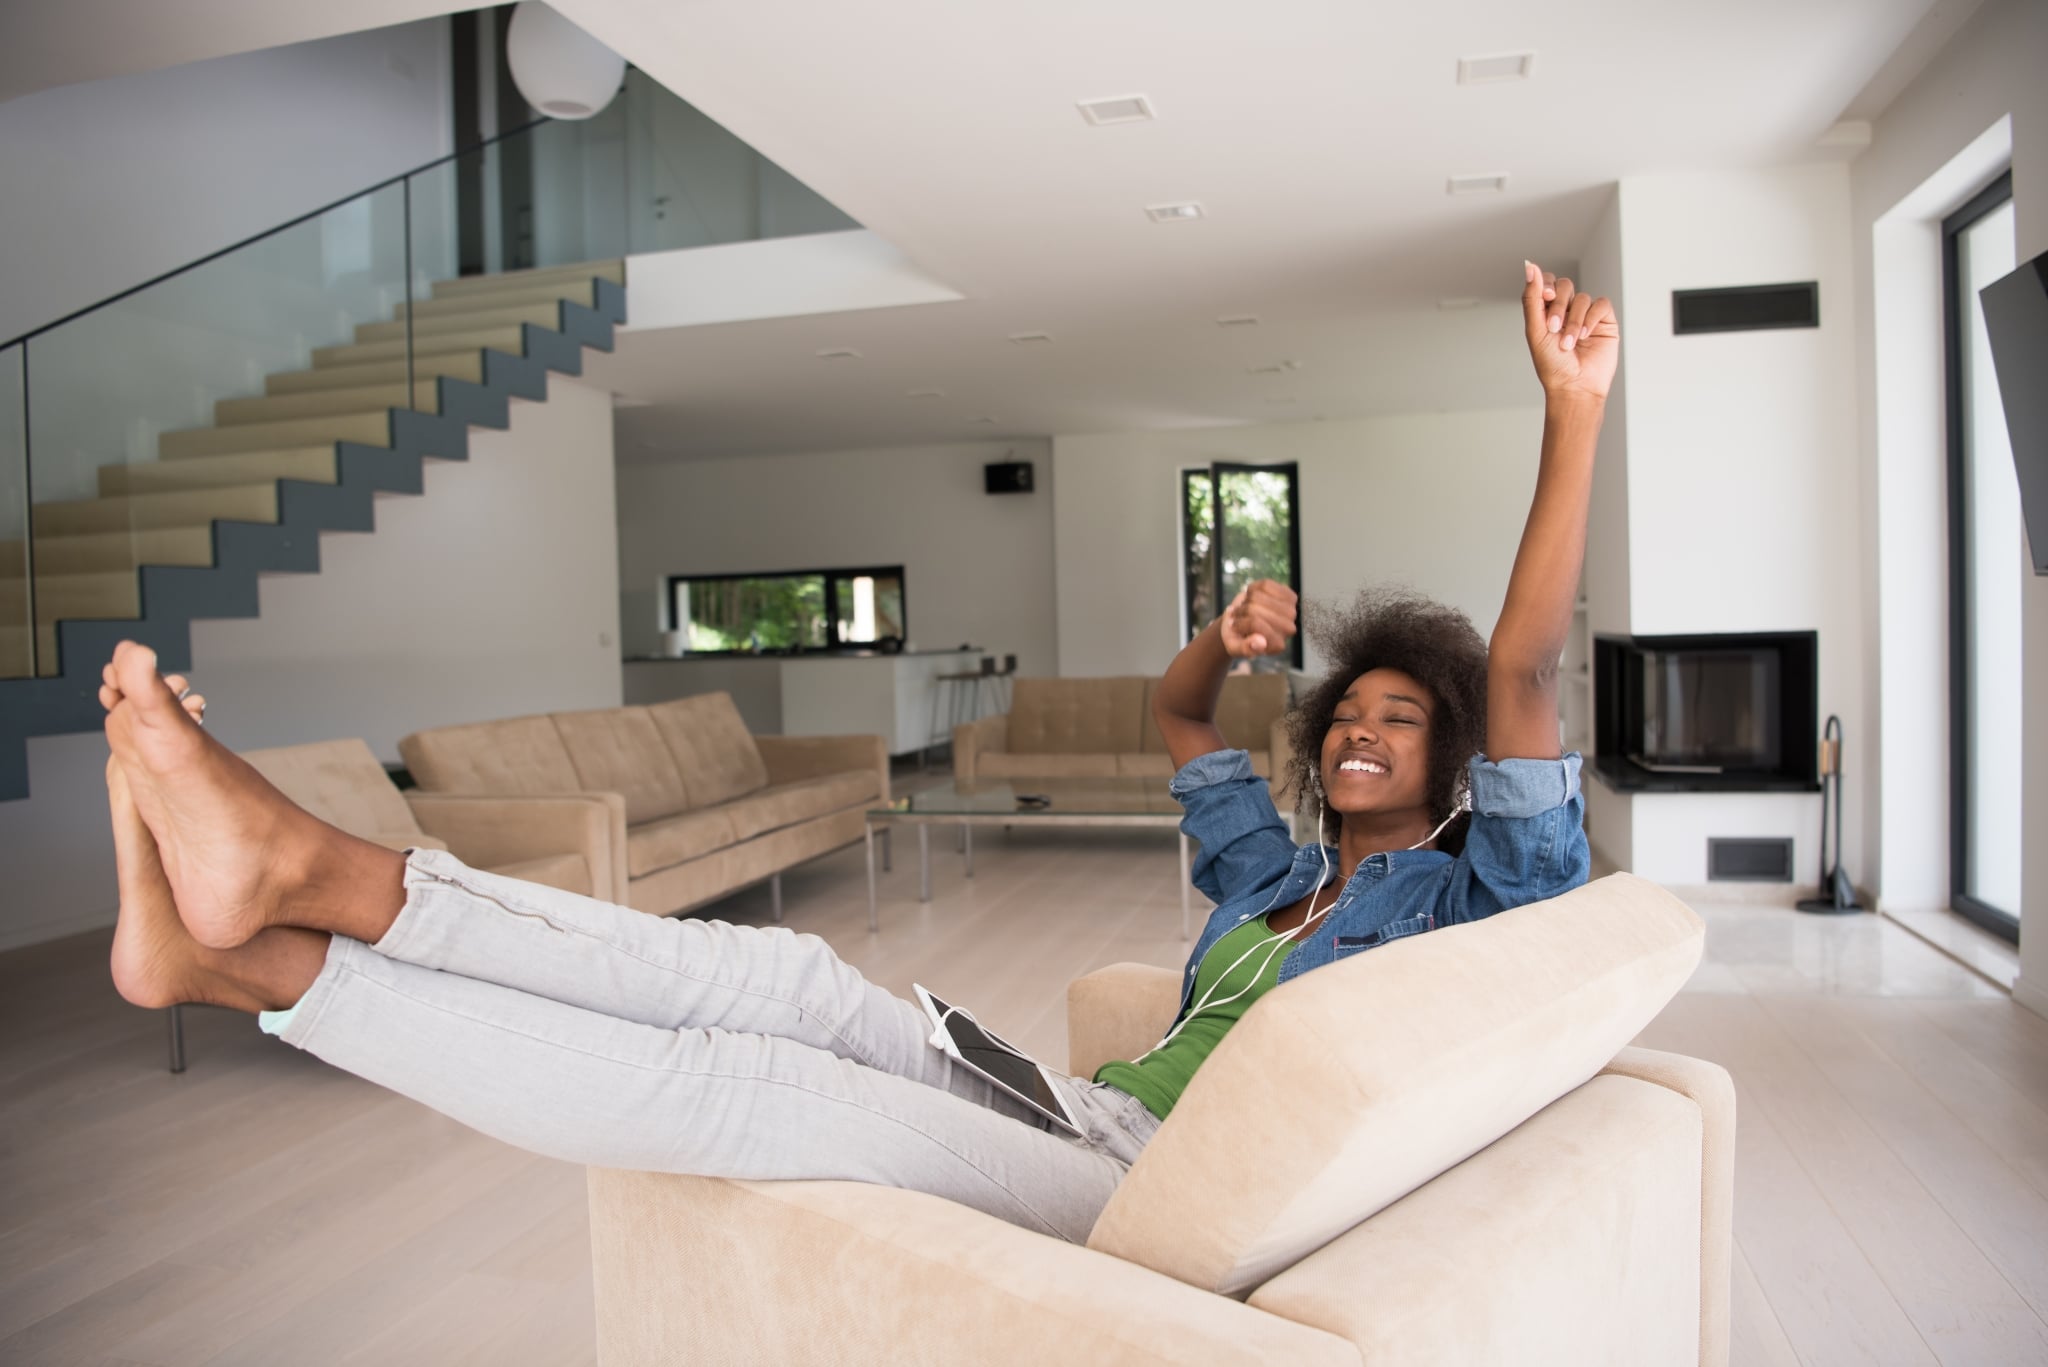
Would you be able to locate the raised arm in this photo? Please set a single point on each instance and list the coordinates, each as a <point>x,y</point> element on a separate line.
<point>1259,621</point>
<point>1575,343</point>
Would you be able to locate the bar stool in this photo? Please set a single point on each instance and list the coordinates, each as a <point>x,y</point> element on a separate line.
<point>958,696</point>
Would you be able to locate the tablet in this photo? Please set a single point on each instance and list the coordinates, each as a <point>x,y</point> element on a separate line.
<point>985,1054</point>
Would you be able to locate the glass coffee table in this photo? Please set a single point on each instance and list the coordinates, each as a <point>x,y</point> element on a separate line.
<point>1095,802</point>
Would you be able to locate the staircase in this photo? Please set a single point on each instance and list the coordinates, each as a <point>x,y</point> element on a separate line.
<point>187,536</point>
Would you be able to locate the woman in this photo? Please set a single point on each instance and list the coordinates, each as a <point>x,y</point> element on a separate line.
<point>600,1035</point>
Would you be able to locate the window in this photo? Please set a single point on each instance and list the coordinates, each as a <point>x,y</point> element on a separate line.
<point>793,611</point>
<point>1238,523</point>
<point>1986,570</point>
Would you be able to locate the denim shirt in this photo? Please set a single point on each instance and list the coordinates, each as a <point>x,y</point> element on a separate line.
<point>1527,842</point>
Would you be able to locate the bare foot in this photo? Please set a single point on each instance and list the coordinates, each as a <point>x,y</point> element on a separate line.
<point>238,855</point>
<point>156,961</point>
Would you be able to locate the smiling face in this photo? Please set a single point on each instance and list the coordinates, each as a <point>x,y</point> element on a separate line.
<point>1376,753</point>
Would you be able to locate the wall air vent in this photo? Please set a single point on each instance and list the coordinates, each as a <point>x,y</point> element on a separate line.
<point>1749,861</point>
<point>1746,308</point>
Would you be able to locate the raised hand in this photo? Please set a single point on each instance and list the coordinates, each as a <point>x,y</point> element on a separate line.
<point>1573,337</point>
<point>1259,621</point>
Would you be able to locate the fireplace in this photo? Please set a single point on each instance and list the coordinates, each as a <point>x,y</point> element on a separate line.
<point>1725,713</point>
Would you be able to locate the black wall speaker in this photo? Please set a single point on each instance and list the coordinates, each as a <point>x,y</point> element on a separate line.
<point>1008,476</point>
<point>1746,308</point>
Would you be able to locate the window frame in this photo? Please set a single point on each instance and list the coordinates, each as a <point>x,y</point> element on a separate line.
<point>1214,472</point>
<point>835,646</point>
<point>1999,922</point>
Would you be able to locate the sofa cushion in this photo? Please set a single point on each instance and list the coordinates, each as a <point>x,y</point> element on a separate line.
<point>509,758</point>
<point>1245,712</point>
<point>618,750</point>
<point>676,839</point>
<point>1425,1051</point>
<point>1003,764</point>
<point>711,746</point>
<point>785,804</point>
<point>1075,716</point>
<point>569,872</point>
<point>340,782</point>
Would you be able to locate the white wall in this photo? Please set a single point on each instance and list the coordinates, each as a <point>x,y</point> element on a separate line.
<point>1979,102</point>
<point>494,594</point>
<point>1740,480</point>
<point>112,182</point>
<point>1435,501</point>
<point>977,567</point>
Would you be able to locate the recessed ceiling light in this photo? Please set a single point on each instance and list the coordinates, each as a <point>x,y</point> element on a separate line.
<point>1506,66</point>
<point>838,353</point>
<point>1116,109</point>
<point>1173,213</point>
<point>1027,337</point>
<point>1492,183</point>
<point>1461,302</point>
<point>926,394</point>
<point>1238,320</point>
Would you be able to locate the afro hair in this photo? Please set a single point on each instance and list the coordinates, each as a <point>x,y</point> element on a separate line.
<point>1436,645</point>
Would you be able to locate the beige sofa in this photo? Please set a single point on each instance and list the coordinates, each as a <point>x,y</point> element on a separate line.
<point>562,841</point>
<point>1095,728</point>
<point>1440,1152</point>
<point>699,808</point>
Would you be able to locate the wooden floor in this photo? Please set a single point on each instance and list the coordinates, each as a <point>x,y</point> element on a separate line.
<point>1892,1198</point>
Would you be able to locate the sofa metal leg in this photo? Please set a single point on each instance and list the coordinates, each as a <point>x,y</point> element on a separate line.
<point>775,895</point>
<point>177,1018</point>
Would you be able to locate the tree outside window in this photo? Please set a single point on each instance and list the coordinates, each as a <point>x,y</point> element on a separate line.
<point>1238,523</point>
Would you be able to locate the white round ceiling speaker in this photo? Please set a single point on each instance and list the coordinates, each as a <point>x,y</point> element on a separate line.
<point>561,70</point>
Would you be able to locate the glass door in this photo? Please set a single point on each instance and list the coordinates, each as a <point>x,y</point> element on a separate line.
<point>1238,523</point>
<point>1987,566</point>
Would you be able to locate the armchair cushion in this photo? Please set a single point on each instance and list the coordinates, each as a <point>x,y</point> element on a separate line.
<point>1118,1012</point>
<point>675,839</point>
<point>341,782</point>
<point>847,1272</point>
<point>711,747</point>
<point>1475,1028</point>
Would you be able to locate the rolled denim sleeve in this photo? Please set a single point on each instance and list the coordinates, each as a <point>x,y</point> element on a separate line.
<point>1527,841</point>
<point>1229,813</point>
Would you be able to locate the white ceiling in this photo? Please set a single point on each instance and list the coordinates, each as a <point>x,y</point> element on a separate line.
<point>1318,134</point>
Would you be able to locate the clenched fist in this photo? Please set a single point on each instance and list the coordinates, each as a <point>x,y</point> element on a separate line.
<point>1259,621</point>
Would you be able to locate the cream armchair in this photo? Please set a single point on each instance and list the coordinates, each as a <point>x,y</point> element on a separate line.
<point>1438,1152</point>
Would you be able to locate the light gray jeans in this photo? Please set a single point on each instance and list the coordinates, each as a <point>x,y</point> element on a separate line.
<point>605,1036</point>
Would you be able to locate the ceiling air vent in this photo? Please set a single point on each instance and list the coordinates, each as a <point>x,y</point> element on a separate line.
<point>1508,66</point>
<point>1477,185</point>
<point>1746,308</point>
<point>1117,109</point>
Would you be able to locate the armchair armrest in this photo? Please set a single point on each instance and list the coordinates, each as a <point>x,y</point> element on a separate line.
<point>1713,1091</point>
<point>976,738</point>
<point>700,1269</point>
<point>1118,1012</point>
<point>789,758</point>
<point>487,831</point>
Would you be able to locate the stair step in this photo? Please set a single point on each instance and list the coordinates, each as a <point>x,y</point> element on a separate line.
<point>315,464</point>
<point>369,428</point>
<point>466,364</point>
<point>614,271</point>
<point>320,403</point>
<point>109,593</point>
<point>547,313</point>
<point>509,339</point>
<point>574,291</point>
<point>14,651</point>
<point>146,512</point>
<point>93,552</point>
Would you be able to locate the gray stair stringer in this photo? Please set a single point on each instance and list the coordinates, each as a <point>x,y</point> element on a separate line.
<point>174,596</point>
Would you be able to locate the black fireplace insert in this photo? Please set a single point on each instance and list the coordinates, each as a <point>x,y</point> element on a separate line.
<point>1722,713</point>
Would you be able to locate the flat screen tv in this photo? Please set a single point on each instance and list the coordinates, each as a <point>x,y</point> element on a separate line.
<point>2016,317</point>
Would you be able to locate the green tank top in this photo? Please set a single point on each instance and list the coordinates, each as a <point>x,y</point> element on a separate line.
<point>1238,969</point>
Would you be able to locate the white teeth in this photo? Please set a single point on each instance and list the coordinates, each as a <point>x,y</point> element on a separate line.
<point>1363,766</point>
